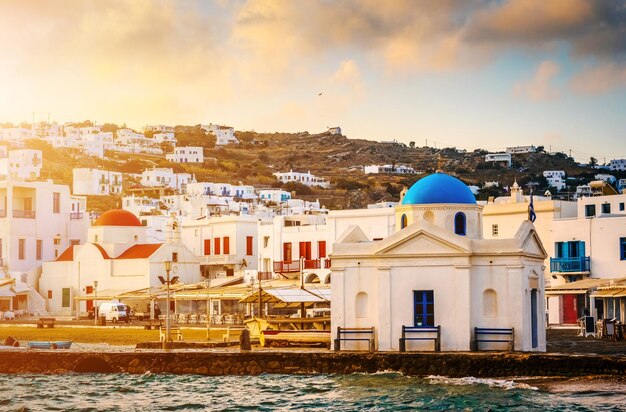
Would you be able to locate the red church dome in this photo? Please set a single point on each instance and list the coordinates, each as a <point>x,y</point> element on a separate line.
<point>117,217</point>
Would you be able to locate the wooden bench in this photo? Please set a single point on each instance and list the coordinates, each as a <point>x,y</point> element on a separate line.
<point>46,322</point>
<point>175,333</point>
<point>152,324</point>
<point>507,333</point>
<point>406,330</point>
<point>355,334</point>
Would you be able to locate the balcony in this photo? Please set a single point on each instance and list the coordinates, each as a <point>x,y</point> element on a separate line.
<point>294,265</point>
<point>76,215</point>
<point>24,214</point>
<point>219,259</point>
<point>570,265</point>
<point>287,266</point>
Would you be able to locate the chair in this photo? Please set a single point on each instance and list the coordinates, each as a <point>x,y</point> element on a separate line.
<point>193,319</point>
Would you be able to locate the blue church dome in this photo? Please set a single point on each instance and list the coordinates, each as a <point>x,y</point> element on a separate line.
<point>438,188</point>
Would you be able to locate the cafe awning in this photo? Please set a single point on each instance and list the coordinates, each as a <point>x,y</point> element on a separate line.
<point>609,293</point>
<point>288,296</point>
<point>575,288</point>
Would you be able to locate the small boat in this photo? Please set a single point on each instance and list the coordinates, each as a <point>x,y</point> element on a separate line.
<point>49,345</point>
<point>295,337</point>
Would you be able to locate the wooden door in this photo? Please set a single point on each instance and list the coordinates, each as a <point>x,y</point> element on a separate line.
<point>570,314</point>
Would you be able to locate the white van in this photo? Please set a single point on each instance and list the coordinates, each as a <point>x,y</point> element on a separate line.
<point>114,312</point>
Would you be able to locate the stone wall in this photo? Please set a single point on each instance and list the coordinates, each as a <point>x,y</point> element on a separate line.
<point>252,363</point>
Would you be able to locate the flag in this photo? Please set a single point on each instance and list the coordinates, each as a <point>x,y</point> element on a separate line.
<point>531,208</point>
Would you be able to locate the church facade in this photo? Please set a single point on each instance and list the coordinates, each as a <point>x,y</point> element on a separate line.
<point>437,270</point>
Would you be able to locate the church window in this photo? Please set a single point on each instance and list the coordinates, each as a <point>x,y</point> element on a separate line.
<point>403,222</point>
<point>362,305</point>
<point>494,230</point>
<point>459,224</point>
<point>424,307</point>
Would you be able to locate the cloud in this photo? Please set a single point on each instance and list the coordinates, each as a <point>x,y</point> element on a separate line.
<point>600,78</point>
<point>540,87</point>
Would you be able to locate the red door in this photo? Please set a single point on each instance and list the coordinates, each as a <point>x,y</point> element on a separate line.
<point>570,315</point>
<point>88,290</point>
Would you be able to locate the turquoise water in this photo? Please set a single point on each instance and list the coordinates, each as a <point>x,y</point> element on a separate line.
<point>376,392</point>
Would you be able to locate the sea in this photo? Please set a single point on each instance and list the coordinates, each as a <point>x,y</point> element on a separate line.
<point>356,392</point>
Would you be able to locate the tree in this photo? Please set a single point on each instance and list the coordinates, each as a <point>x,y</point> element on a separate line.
<point>593,161</point>
<point>412,145</point>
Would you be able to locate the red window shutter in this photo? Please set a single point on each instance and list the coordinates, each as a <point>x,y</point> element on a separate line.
<point>321,247</point>
<point>216,246</point>
<point>249,245</point>
<point>287,252</point>
<point>226,245</point>
<point>207,247</point>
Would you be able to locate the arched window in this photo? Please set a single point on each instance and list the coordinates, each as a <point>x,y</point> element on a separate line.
<point>362,305</point>
<point>490,304</point>
<point>403,222</point>
<point>429,216</point>
<point>459,224</point>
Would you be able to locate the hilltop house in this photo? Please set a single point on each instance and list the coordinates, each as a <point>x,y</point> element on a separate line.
<point>88,181</point>
<point>186,154</point>
<point>306,179</point>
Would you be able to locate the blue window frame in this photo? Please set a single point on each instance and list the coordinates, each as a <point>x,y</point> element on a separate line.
<point>606,208</point>
<point>622,248</point>
<point>621,207</point>
<point>590,210</point>
<point>424,308</point>
<point>459,224</point>
<point>572,249</point>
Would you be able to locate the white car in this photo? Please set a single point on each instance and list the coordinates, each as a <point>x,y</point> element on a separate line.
<point>113,311</point>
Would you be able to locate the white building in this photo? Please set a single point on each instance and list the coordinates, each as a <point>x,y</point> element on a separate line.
<point>334,130</point>
<point>274,195</point>
<point>499,157</point>
<point>438,270</point>
<point>38,220</point>
<point>224,134</point>
<point>188,154</point>
<point>118,257</point>
<point>306,179</point>
<point>617,164</point>
<point>158,128</point>
<point>621,185</point>
<point>131,142</point>
<point>398,169</point>
<point>610,179</point>
<point>21,165</point>
<point>555,178</point>
<point>521,149</point>
<point>225,245</point>
<point>165,177</point>
<point>168,137</point>
<point>88,181</point>
<point>16,134</point>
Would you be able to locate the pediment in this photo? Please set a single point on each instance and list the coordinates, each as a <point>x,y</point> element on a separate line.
<point>422,243</point>
<point>532,245</point>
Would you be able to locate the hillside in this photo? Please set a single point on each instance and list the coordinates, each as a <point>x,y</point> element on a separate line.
<point>331,156</point>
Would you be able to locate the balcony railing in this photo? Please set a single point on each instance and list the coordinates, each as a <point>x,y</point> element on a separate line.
<point>285,266</point>
<point>294,265</point>
<point>264,275</point>
<point>567,265</point>
<point>24,214</point>
<point>76,215</point>
<point>219,259</point>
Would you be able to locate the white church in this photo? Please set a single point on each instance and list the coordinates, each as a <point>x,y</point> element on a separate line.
<point>437,270</point>
<point>118,257</point>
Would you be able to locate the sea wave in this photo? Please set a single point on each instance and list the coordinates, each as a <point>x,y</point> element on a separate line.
<point>471,380</point>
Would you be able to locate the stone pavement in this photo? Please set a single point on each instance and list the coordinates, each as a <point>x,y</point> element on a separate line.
<point>566,341</point>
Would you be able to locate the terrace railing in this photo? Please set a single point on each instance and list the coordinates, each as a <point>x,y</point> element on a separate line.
<point>568,265</point>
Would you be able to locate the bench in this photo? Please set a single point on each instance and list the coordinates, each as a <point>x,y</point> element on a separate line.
<point>46,322</point>
<point>355,334</point>
<point>175,333</point>
<point>507,335</point>
<point>151,324</point>
<point>420,330</point>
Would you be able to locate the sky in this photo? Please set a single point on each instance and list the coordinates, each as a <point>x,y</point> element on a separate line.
<point>468,73</point>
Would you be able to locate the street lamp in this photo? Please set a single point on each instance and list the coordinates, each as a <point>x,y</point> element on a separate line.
<point>168,336</point>
<point>95,302</point>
